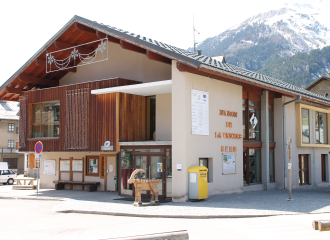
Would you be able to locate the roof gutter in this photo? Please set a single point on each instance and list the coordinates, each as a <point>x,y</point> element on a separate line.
<point>284,136</point>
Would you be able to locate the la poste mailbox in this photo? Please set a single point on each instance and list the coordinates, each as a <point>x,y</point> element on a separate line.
<point>197,178</point>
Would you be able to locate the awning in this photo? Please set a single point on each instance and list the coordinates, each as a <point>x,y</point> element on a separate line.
<point>143,89</point>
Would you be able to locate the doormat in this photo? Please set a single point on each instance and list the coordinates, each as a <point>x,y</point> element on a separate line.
<point>131,199</point>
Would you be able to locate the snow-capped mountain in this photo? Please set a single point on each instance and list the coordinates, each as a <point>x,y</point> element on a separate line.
<point>268,36</point>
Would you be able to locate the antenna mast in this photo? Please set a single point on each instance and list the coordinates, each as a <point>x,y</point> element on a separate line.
<point>194,30</point>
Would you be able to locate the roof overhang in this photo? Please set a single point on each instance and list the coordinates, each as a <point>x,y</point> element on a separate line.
<point>143,89</point>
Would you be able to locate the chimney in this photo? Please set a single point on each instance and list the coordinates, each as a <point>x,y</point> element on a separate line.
<point>199,52</point>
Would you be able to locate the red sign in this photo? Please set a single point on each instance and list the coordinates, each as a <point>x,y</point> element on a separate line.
<point>38,147</point>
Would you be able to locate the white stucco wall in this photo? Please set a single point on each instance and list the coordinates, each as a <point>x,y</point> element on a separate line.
<point>188,148</point>
<point>46,181</point>
<point>121,63</point>
<point>164,117</point>
<point>314,153</point>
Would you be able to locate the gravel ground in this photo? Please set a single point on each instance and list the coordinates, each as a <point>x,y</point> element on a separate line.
<point>246,204</point>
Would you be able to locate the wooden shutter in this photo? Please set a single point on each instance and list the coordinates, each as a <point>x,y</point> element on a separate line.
<point>32,161</point>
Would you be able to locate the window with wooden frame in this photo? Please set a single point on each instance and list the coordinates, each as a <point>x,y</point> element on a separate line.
<point>305,125</point>
<point>251,117</point>
<point>46,119</point>
<point>321,135</point>
<point>92,166</point>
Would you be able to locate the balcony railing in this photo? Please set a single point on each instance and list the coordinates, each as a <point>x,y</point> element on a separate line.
<point>8,151</point>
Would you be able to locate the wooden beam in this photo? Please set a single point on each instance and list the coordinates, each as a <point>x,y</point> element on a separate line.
<point>131,47</point>
<point>102,35</point>
<point>85,29</point>
<point>158,58</point>
<point>36,80</point>
<point>63,45</point>
<point>14,90</point>
<point>42,63</point>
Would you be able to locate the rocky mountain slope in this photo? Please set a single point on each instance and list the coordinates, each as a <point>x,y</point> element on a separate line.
<point>269,36</point>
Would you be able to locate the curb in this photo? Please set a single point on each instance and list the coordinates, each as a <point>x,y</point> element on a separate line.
<point>33,198</point>
<point>176,216</point>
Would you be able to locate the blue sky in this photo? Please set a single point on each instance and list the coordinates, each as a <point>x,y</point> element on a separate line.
<point>27,25</point>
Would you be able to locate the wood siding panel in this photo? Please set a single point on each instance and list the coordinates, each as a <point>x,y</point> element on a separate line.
<point>132,118</point>
<point>101,115</point>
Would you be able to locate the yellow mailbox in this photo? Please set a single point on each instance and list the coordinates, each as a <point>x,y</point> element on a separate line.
<point>197,182</point>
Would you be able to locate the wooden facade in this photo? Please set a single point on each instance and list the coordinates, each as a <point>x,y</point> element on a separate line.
<point>113,116</point>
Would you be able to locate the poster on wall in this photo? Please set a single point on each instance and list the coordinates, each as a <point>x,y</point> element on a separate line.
<point>49,167</point>
<point>65,165</point>
<point>228,163</point>
<point>77,165</point>
<point>199,112</point>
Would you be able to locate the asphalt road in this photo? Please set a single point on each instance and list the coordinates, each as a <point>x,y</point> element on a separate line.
<point>35,219</point>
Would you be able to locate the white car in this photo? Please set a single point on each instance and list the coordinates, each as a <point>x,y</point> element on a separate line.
<point>7,176</point>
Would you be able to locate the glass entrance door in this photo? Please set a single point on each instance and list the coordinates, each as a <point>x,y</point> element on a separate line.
<point>303,169</point>
<point>152,164</point>
<point>156,171</point>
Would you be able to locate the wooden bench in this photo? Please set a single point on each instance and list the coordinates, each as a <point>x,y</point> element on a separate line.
<point>91,186</point>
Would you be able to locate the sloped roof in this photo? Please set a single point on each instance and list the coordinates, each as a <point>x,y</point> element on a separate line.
<point>317,81</point>
<point>9,110</point>
<point>183,56</point>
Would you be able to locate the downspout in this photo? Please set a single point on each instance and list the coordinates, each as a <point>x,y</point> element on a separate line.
<point>284,134</point>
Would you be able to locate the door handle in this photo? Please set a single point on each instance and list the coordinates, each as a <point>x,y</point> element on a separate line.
<point>149,172</point>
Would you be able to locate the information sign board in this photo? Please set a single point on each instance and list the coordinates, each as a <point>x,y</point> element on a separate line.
<point>199,112</point>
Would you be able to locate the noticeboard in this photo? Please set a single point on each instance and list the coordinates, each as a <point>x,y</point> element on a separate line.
<point>77,165</point>
<point>199,112</point>
<point>49,167</point>
<point>229,163</point>
<point>65,165</point>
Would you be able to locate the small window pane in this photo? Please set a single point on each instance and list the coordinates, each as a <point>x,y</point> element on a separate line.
<point>321,131</point>
<point>271,166</point>
<point>50,112</point>
<point>305,125</point>
<point>244,123</point>
<point>36,131</point>
<point>36,113</point>
<point>254,104</point>
<point>93,165</point>
<point>255,166</point>
<point>271,126</point>
<point>254,124</point>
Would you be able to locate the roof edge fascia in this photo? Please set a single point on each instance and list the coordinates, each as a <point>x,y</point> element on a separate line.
<point>264,84</point>
<point>117,34</point>
<point>47,44</point>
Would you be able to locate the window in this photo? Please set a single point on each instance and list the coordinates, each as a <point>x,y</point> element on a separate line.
<point>11,127</point>
<point>251,166</point>
<point>321,128</point>
<point>207,162</point>
<point>10,143</point>
<point>92,168</point>
<point>46,119</point>
<point>17,130</point>
<point>251,118</point>
<point>305,125</point>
